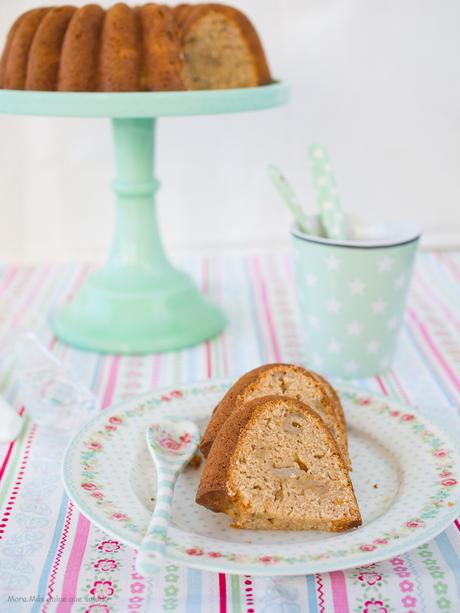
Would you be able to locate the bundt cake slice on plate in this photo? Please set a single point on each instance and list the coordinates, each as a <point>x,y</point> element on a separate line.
<point>283,380</point>
<point>274,465</point>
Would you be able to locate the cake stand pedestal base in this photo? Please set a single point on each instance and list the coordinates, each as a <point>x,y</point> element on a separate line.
<point>138,302</point>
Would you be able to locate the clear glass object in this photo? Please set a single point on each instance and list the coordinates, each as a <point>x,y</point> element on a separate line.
<point>50,391</point>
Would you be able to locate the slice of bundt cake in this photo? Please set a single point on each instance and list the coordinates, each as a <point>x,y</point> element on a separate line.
<point>221,48</point>
<point>275,466</point>
<point>285,380</point>
<point>128,49</point>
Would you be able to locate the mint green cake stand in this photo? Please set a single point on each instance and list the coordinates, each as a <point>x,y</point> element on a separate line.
<point>138,302</point>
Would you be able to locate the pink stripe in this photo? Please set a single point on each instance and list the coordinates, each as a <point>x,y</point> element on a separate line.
<point>30,297</point>
<point>267,310</point>
<point>381,385</point>
<point>17,483</point>
<point>222,593</point>
<point>450,373</point>
<point>77,552</point>
<point>8,453</point>
<point>450,265</point>
<point>223,336</point>
<point>60,551</point>
<point>109,390</point>
<point>339,592</point>
<point>156,371</point>
<point>205,286</point>
<point>457,523</point>
<point>320,592</point>
<point>78,283</point>
<point>8,278</point>
<point>400,387</point>
<point>447,312</point>
<point>73,566</point>
<point>6,460</point>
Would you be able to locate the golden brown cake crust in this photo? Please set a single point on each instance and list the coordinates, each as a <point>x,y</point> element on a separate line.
<point>163,67</point>
<point>123,49</point>
<point>120,59</point>
<point>16,54</point>
<point>226,406</point>
<point>189,15</point>
<point>241,390</point>
<point>78,71</point>
<point>214,491</point>
<point>45,52</point>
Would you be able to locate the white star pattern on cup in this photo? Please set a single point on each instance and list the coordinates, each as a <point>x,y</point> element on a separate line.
<point>318,153</point>
<point>379,306</point>
<point>357,287</point>
<point>392,323</point>
<point>399,283</point>
<point>332,262</point>
<point>327,206</point>
<point>385,264</point>
<point>322,180</point>
<point>351,366</point>
<point>373,347</point>
<point>313,321</point>
<point>354,328</point>
<point>311,279</point>
<point>334,347</point>
<point>333,306</point>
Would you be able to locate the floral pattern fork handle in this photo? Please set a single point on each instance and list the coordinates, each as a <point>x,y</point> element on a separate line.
<point>172,443</point>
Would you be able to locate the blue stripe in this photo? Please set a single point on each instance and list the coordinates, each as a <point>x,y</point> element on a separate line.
<point>194,603</point>
<point>311,594</point>
<point>253,302</point>
<point>163,514</point>
<point>43,583</point>
<point>164,498</point>
<point>153,546</point>
<point>425,360</point>
<point>450,556</point>
<point>165,483</point>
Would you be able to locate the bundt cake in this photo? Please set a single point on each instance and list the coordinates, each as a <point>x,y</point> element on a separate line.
<point>128,49</point>
<point>274,465</point>
<point>283,380</point>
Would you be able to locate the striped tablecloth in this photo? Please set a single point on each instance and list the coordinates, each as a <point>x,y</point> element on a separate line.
<point>53,559</point>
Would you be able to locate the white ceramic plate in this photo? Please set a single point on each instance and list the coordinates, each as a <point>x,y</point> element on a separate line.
<point>405,473</point>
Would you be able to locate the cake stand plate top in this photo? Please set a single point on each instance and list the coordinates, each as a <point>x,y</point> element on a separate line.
<point>143,104</point>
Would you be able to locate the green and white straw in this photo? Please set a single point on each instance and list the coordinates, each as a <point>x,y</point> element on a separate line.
<point>331,214</point>
<point>288,194</point>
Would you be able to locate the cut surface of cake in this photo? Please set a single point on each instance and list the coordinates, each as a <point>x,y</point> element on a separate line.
<point>127,49</point>
<point>284,380</point>
<point>274,465</point>
<point>221,48</point>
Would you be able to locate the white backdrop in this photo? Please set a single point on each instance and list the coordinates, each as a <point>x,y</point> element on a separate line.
<point>377,82</point>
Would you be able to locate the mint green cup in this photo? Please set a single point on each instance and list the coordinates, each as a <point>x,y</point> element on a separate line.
<point>352,295</point>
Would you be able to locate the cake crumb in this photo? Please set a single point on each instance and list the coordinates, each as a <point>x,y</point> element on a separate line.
<point>195,462</point>
<point>376,486</point>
